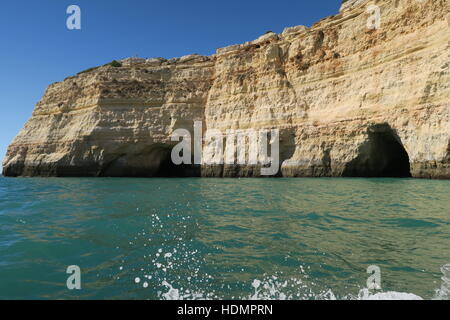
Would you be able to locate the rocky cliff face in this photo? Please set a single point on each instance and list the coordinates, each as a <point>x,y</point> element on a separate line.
<point>348,100</point>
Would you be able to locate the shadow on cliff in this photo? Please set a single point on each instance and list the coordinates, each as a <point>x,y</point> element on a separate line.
<point>154,161</point>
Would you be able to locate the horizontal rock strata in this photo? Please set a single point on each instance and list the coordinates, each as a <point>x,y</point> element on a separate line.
<point>348,100</point>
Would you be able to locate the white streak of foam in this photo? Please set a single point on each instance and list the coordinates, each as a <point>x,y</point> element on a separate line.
<point>364,294</point>
<point>444,292</point>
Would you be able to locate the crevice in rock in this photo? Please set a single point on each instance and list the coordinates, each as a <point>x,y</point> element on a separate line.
<point>382,155</point>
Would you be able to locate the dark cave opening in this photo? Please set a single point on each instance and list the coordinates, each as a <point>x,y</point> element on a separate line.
<point>167,168</point>
<point>155,161</point>
<point>383,155</point>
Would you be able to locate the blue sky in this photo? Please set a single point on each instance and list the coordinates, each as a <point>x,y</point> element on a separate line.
<point>37,49</point>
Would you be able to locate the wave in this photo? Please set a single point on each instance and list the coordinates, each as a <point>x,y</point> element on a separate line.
<point>273,288</point>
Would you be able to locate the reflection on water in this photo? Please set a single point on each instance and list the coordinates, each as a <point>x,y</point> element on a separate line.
<point>223,238</point>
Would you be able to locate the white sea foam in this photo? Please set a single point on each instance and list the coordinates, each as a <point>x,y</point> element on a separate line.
<point>443,293</point>
<point>273,289</point>
<point>365,294</point>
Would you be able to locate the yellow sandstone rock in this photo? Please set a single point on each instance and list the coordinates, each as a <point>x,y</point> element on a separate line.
<point>348,101</point>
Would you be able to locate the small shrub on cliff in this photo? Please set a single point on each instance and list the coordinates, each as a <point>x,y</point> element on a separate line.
<point>115,64</point>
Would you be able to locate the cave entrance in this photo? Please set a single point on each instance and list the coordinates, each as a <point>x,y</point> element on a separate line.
<point>154,161</point>
<point>166,167</point>
<point>382,155</point>
<point>162,163</point>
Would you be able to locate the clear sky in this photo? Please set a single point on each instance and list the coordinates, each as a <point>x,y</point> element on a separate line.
<point>37,49</point>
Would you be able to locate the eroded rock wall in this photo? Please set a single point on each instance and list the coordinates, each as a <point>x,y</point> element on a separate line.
<point>327,88</point>
<point>112,121</point>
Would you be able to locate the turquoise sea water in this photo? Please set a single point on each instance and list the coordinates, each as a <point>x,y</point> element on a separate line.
<point>222,238</point>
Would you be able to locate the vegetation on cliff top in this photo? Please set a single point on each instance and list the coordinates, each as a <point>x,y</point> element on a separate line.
<point>114,63</point>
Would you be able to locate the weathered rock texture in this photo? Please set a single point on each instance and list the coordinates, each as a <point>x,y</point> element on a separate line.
<point>348,100</point>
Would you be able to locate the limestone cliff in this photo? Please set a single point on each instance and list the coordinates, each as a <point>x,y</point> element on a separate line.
<point>349,101</point>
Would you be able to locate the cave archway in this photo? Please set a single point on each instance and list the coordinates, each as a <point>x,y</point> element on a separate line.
<point>153,161</point>
<point>382,155</point>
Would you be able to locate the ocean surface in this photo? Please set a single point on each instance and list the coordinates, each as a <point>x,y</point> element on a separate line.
<point>224,238</point>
